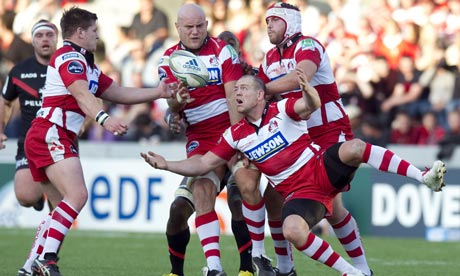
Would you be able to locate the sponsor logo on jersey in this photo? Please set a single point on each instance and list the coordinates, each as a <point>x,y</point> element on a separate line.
<point>192,146</point>
<point>29,75</point>
<point>69,56</point>
<point>33,103</point>
<point>75,67</point>
<point>267,148</point>
<point>307,44</point>
<point>215,76</point>
<point>22,162</point>
<point>213,61</point>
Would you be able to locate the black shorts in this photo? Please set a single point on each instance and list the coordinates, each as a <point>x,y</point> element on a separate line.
<point>310,210</point>
<point>339,174</point>
<point>21,160</point>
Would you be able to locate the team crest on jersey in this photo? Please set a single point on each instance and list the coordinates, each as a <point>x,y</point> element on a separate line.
<point>307,44</point>
<point>192,146</point>
<point>75,67</point>
<point>213,61</point>
<point>273,126</point>
<point>267,148</point>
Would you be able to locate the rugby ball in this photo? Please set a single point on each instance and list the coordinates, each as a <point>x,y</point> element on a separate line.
<point>188,68</point>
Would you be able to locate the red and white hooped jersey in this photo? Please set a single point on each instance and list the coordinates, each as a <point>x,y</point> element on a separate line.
<point>208,114</point>
<point>279,147</point>
<point>59,106</point>
<point>301,48</point>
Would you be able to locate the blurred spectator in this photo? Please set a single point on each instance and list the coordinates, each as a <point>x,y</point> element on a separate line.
<point>405,12</point>
<point>379,13</point>
<point>430,132</point>
<point>14,48</point>
<point>29,12</point>
<point>253,39</point>
<point>452,137</point>
<point>382,81</point>
<point>341,45</point>
<point>150,25</point>
<point>372,131</point>
<point>144,130</point>
<point>403,130</point>
<point>391,44</point>
<point>354,114</point>
<point>427,42</point>
<point>101,58</point>
<point>440,80</point>
<point>311,26</point>
<point>453,52</point>
<point>407,91</point>
<point>123,43</point>
<point>133,65</point>
<point>350,88</point>
<point>452,23</point>
<point>366,36</point>
<point>219,17</point>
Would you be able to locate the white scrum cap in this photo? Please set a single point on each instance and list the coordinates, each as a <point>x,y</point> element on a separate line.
<point>289,14</point>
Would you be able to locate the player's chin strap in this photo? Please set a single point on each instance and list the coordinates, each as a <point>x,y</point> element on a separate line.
<point>183,47</point>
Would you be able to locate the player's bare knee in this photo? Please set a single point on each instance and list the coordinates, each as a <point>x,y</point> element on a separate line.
<point>352,151</point>
<point>292,229</point>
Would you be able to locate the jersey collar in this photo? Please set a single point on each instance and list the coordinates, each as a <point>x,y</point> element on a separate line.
<point>88,55</point>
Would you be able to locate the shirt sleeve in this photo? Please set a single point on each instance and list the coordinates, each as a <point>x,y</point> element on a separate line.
<point>9,91</point>
<point>307,50</point>
<point>223,149</point>
<point>231,67</point>
<point>104,83</point>
<point>72,70</point>
<point>289,107</point>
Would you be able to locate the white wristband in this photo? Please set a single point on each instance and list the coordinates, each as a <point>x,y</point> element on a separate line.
<point>101,117</point>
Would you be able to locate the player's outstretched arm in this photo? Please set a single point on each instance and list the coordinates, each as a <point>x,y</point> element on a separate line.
<point>193,166</point>
<point>310,100</point>
<point>132,95</point>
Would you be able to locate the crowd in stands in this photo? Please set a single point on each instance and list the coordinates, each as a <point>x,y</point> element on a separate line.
<point>396,61</point>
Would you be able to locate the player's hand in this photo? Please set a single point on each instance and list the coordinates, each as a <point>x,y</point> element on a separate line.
<point>155,160</point>
<point>116,126</point>
<point>182,93</point>
<point>303,80</point>
<point>3,138</point>
<point>174,122</point>
<point>164,89</point>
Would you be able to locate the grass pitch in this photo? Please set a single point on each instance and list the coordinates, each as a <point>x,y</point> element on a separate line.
<point>118,253</point>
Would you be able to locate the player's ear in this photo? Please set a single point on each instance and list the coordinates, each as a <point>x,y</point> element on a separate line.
<point>261,94</point>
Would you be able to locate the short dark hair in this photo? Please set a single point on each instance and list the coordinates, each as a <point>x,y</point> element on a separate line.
<point>75,18</point>
<point>259,84</point>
